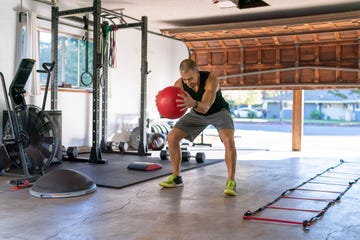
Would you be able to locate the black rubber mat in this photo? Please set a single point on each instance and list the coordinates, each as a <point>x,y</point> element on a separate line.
<point>115,174</point>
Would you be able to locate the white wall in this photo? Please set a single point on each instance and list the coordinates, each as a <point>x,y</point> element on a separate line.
<point>124,104</point>
<point>164,56</point>
<point>8,18</point>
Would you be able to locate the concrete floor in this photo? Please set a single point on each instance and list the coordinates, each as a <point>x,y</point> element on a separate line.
<point>199,210</point>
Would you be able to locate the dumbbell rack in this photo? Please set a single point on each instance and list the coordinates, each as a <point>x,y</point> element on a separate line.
<point>154,131</point>
<point>320,213</point>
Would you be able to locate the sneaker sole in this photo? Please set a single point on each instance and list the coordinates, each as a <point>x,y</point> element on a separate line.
<point>230,193</point>
<point>171,186</point>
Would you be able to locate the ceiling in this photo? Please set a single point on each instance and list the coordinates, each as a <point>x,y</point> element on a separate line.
<point>305,44</point>
<point>170,14</point>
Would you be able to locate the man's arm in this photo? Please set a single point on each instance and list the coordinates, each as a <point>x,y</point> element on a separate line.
<point>186,100</point>
<point>211,87</point>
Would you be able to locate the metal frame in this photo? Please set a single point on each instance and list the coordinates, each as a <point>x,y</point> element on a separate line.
<point>98,13</point>
<point>15,132</point>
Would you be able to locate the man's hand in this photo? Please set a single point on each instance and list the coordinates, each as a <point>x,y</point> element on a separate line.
<point>185,101</point>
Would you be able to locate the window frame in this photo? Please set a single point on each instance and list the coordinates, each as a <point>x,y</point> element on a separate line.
<point>61,53</point>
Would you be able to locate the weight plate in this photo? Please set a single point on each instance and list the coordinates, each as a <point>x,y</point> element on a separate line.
<point>135,138</point>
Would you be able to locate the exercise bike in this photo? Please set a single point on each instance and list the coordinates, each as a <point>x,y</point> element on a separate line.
<point>30,139</point>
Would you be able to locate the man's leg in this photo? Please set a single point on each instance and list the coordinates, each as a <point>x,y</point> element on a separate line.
<point>189,126</point>
<point>227,137</point>
<point>174,138</point>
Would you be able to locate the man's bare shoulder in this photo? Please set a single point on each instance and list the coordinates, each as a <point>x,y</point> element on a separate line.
<point>178,83</point>
<point>212,82</point>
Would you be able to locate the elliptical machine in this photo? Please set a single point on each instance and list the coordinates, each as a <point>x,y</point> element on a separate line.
<point>30,139</point>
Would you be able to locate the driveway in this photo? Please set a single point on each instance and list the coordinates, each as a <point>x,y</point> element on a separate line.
<point>277,137</point>
<point>309,129</point>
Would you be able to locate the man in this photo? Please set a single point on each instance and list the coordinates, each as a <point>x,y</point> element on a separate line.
<point>208,107</point>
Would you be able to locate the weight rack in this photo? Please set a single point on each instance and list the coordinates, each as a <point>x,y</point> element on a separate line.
<point>320,213</point>
<point>98,14</point>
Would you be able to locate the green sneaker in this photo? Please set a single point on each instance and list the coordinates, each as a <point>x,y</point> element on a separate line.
<point>230,189</point>
<point>173,181</point>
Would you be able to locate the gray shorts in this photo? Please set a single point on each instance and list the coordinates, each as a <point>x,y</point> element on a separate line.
<point>193,124</point>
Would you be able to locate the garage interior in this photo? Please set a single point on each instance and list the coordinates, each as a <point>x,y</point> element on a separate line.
<point>302,45</point>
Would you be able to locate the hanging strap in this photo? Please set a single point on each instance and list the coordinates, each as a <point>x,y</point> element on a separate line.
<point>105,29</point>
<point>112,51</point>
<point>86,77</point>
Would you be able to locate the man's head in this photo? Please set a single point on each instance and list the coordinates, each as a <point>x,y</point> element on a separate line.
<point>189,73</point>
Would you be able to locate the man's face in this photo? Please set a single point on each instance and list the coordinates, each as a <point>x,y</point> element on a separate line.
<point>190,78</point>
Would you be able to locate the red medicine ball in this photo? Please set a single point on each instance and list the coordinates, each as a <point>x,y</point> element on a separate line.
<point>166,102</point>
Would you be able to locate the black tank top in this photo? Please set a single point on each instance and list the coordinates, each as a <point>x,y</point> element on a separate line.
<point>219,103</point>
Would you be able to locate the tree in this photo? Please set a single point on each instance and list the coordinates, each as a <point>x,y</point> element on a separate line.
<point>355,91</point>
<point>253,97</point>
<point>244,97</point>
<point>338,93</point>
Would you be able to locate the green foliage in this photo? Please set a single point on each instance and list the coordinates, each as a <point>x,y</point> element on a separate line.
<point>71,55</point>
<point>253,97</point>
<point>276,93</point>
<point>44,53</point>
<point>71,60</point>
<point>355,91</point>
<point>315,114</point>
<point>244,97</point>
<point>337,93</point>
<point>231,102</point>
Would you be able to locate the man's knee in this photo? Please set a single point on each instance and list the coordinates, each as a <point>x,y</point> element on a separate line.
<point>175,136</point>
<point>171,137</point>
<point>228,140</point>
<point>226,134</point>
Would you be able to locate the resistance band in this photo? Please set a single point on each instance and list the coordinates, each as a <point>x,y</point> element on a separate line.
<point>112,51</point>
<point>105,29</point>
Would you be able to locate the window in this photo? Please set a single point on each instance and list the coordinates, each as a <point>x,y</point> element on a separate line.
<point>71,59</point>
<point>71,51</point>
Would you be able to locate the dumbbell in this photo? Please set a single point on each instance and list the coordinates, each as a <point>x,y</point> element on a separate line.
<point>123,147</point>
<point>107,146</point>
<point>72,152</point>
<point>164,155</point>
<point>199,157</point>
<point>185,156</point>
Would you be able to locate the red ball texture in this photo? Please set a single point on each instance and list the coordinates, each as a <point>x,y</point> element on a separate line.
<point>166,102</point>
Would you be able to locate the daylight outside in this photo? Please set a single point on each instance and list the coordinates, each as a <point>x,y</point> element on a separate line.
<point>263,120</point>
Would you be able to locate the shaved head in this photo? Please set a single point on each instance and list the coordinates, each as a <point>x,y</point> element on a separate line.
<point>188,64</point>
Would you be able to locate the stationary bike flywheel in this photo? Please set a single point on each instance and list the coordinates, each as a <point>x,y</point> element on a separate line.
<point>38,137</point>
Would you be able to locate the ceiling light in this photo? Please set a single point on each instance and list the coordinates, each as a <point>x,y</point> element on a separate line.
<point>250,3</point>
<point>224,3</point>
<point>239,3</point>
